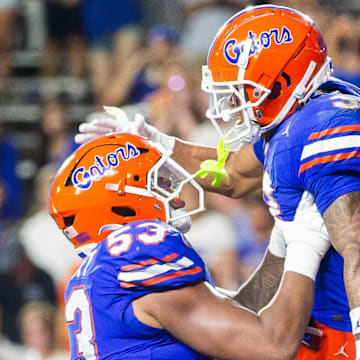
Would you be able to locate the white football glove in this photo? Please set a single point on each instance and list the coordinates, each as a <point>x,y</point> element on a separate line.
<point>306,238</point>
<point>116,121</point>
<point>113,120</point>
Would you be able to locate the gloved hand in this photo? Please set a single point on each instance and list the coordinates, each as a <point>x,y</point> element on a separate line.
<point>116,121</point>
<point>306,238</point>
<point>113,120</point>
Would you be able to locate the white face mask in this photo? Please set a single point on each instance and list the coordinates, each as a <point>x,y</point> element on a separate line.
<point>183,224</point>
<point>167,180</point>
<point>228,103</point>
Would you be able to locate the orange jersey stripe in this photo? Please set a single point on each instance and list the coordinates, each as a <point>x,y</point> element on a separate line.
<point>126,285</point>
<point>328,158</point>
<point>139,265</point>
<point>335,130</point>
<point>170,257</point>
<point>172,276</point>
<point>147,262</point>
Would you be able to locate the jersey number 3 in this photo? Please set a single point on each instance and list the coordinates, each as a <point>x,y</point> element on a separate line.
<point>78,312</point>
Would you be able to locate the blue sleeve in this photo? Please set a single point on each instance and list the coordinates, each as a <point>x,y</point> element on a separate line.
<point>339,183</point>
<point>259,150</point>
<point>330,159</point>
<point>153,266</point>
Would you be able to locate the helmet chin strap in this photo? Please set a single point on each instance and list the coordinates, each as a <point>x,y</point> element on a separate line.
<point>249,133</point>
<point>244,59</point>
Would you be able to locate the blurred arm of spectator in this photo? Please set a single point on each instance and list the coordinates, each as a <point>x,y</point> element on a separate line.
<point>142,73</point>
<point>118,90</point>
<point>170,107</point>
<point>114,34</point>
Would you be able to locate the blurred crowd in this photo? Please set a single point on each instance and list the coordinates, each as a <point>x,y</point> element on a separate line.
<point>60,61</point>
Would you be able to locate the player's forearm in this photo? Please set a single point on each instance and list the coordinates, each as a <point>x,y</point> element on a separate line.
<point>243,169</point>
<point>263,283</point>
<point>214,326</point>
<point>279,327</point>
<point>291,311</point>
<point>190,155</point>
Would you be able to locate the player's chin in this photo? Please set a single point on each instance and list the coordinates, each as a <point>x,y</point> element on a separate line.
<point>177,203</point>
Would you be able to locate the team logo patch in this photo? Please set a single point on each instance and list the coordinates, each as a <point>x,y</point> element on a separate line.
<point>266,39</point>
<point>83,178</point>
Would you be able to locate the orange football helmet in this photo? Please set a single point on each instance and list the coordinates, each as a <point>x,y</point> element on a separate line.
<point>114,180</point>
<point>263,62</point>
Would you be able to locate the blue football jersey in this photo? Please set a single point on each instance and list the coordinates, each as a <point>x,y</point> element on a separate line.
<point>135,260</point>
<point>317,149</point>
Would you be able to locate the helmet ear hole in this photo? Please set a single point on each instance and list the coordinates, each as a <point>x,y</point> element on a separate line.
<point>69,220</point>
<point>287,78</point>
<point>276,91</point>
<point>123,211</point>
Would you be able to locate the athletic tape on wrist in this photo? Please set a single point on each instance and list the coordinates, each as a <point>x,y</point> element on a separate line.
<point>168,142</point>
<point>302,259</point>
<point>156,136</point>
<point>277,244</point>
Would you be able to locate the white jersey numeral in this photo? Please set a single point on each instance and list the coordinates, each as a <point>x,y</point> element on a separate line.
<point>118,242</point>
<point>78,302</point>
<point>270,200</point>
<point>155,233</point>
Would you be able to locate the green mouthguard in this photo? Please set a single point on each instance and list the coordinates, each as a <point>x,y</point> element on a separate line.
<point>215,167</point>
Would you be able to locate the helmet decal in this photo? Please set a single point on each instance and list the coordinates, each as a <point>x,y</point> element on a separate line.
<point>83,178</point>
<point>233,49</point>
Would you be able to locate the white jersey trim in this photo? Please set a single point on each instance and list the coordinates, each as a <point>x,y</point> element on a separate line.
<point>155,270</point>
<point>338,143</point>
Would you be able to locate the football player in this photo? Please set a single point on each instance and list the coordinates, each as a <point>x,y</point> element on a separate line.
<point>268,75</point>
<point>142,292</point>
